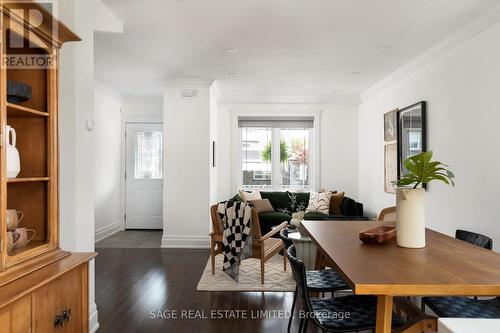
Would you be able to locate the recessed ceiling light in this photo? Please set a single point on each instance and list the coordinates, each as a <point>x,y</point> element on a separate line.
<point>233,74</point>
<point>383,47</point>
<point>355,73</point>
<point>231,50</point>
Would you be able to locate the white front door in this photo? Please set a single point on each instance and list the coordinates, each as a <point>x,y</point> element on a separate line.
<point>144,176</point>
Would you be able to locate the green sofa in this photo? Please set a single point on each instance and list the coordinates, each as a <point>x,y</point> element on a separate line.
<point>286,203</point>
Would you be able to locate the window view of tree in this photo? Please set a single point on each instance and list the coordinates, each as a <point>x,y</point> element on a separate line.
<point>257,158</point>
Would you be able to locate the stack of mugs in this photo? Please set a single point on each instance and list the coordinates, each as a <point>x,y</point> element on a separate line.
<point>17,238</point>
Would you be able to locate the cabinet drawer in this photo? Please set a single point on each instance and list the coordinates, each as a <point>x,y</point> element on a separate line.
<point>16,318</point>
<point>57,306</point>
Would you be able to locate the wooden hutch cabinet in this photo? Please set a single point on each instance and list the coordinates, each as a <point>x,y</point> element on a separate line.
<point>42,288</point>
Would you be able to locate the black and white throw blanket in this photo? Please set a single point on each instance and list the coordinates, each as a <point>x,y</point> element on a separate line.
<point>236,237</point>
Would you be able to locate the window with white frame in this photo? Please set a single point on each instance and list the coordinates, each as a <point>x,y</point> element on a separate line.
<point>275,153</point>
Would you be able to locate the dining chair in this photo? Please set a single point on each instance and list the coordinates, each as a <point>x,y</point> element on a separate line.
<point>329,314</point>
<point>320,281</point>
<point>263,247</point>
<point>465,307</point>
<point>387,214</point>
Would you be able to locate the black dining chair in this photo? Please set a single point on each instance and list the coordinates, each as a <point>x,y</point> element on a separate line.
<point>321,281</point>
<point>337,314</point>
<point>465,307</point>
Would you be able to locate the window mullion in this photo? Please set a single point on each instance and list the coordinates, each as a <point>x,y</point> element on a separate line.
<point>276,173</point>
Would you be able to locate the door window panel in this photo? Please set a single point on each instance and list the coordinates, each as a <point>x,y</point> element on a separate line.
<point>148,155</point>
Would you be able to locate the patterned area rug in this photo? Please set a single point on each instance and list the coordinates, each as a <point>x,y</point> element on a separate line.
<point>275,279</point>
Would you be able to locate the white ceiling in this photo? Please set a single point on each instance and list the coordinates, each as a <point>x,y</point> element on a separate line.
<point>320,48</point>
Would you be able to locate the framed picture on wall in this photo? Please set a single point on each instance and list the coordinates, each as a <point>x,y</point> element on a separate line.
<point>390,126</point>
<point>411,133</point>
<point>390,167</point>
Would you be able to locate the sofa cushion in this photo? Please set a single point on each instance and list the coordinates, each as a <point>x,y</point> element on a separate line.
<point>323,217</point>
<point>262,205</point>
<point>279,200</point>
<point>298,201</point>
<point>319,202</point>
<point>336,203</point>
<point>248,196</point>
<point>269,220</point>
<point>350,208</point>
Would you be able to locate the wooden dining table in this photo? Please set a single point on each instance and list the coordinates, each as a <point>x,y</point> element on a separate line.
<point>445,267</point>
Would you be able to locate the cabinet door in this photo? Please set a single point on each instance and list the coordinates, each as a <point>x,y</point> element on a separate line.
<point>58,296</point>
<point>17,317</point>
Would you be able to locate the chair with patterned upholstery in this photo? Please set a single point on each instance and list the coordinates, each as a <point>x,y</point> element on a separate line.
<point>465,307</point>
<point>321,281</point>
<point>329,313</point>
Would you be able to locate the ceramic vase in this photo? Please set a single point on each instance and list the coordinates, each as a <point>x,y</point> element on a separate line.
<point>410,225</point>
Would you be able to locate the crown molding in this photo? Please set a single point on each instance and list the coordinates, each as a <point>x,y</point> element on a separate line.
<point>245,99</point>
<point>434,52</point>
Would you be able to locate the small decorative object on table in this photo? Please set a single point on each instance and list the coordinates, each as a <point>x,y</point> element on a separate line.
<point>378,235</point>
<point>410,201</point>
<point>297,218</point>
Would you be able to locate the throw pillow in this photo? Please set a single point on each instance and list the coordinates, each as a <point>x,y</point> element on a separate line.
<point>319,202</point>
<point>247,196</point>
<point>336,203</point>
<point>262,205</point>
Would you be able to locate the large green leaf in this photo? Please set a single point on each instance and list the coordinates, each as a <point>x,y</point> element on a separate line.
<point>422,171</point>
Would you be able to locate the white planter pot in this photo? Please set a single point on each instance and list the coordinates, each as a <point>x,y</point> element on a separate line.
<point>410,225</point>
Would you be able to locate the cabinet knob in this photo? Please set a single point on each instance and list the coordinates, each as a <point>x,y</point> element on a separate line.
<point>58,321</point>
<point>66,315</point>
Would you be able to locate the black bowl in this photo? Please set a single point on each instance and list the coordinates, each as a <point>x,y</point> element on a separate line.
<point>18,92</point>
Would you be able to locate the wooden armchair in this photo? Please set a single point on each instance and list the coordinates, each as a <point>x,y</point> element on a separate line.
<point>263,247</point>
<point>387,214</point>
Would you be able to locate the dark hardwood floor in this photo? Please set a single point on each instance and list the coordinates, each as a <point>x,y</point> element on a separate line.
<point>130,283</point>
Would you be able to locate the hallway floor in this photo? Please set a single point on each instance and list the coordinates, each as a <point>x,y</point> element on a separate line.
<point>127,239</point>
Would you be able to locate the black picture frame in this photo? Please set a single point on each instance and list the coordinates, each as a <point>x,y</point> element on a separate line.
<point>403,116</point>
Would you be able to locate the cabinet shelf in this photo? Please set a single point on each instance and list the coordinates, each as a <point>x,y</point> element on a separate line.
<point>14,110</point>
<point>28,180</point>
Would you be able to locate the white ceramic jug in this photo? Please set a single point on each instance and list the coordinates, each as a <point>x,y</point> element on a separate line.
<point>13,162</point>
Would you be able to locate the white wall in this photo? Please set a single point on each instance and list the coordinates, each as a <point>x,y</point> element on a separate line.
<point>338,144</point>
<point>463,122</point>
<point>76,97</point>
<point>187,160</point>
<point>143,108</point>
<point>108,162</point>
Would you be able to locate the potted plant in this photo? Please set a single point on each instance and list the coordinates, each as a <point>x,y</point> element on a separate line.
<point>410,199</point>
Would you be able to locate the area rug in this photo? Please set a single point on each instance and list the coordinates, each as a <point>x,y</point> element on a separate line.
<point>275,279</point>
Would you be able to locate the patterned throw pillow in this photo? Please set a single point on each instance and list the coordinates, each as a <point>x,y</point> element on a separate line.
<point>319,202</point>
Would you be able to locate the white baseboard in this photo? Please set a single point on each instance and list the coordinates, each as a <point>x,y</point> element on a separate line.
<point>185,242</point>
<point>107,231</point>
<point>93,322</point>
